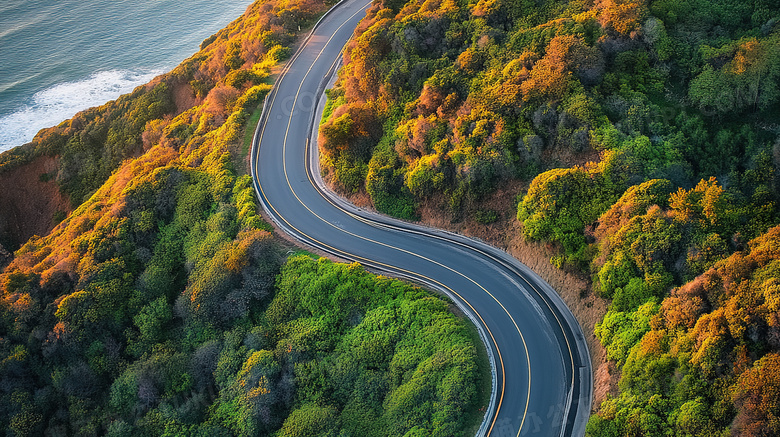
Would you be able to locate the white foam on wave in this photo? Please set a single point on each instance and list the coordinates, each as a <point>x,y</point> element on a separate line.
<point>53,105</point>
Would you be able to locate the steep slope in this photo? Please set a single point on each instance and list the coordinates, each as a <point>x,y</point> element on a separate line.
<point>31,202</point>
<point>81,153</point>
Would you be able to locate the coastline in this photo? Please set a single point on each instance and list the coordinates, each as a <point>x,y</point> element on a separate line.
<point>59,59</point>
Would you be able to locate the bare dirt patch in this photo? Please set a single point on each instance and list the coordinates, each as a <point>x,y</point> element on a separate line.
<point>183,97</point>
<point>605,381</point>
<point>5,258</point>
<point>29,200</point>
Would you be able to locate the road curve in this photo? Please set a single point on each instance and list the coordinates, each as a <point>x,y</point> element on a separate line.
<point>541,369</point>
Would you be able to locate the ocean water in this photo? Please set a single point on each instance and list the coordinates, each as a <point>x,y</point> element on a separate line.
<point>58,57</point>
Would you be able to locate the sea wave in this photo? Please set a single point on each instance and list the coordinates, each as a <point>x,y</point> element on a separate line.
<point>17,27</point>
<point>62,101</point>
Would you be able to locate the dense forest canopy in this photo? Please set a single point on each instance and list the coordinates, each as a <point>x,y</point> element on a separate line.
<point>163,304</point>
<point>647,137</point>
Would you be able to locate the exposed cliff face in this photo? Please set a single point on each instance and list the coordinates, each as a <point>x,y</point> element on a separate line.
<point>5,257</point>
<point>29,201</point>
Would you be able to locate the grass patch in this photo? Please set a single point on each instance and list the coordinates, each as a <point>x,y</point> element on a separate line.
<point>304,252</point>
<point>486,216</point>
<point>249,130</point>
<point>335,98</point>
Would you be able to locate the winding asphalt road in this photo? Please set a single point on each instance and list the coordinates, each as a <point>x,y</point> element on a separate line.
<point>541,370</point>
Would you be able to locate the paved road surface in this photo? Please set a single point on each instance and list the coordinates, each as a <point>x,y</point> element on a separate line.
<point>542,376</point>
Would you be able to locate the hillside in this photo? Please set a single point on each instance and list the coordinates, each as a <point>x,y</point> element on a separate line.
<point>635,142</point>
<point>150,298</point>
<point>31,202</point>
<point>626,149</point>
<point>218,87</point>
